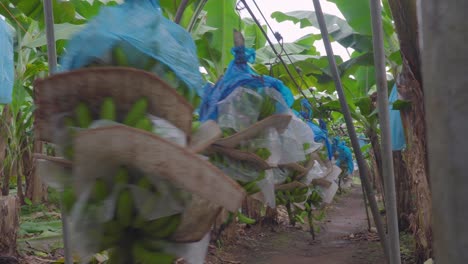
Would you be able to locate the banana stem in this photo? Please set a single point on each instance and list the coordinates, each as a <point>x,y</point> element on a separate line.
<point>311,223</point>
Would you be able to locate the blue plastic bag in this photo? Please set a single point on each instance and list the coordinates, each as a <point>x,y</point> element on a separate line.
<point>141,28</point>
<point>7,71</point>
<point>239,74</point>
<point>396,125</point>
<point>344,154</point>
<point>320,131</point>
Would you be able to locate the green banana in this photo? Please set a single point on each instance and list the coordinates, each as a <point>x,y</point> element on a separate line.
<point>244,219</point>
<point>283,200</point>
<point>155,226</point>
<point>263,153</point>
<point>267,108</point>
<point>150,64</point>
<point>144,256</point>
<point>303,190</point>
<point>119,58</point>
<point>144,183</point>
<point>100,190</point>
<point>227,132</point>
<point>300,219</point>
<point>137,112</point>
<point>261,176</point>
<point>122,176</point>
<point>153,245</point>
<point>124,211</point>
<point>110,240</point>
<point>145,124</point>
<point>152,226</point>
<point>251,187</point>
<point>196,101</point>
<point>108,109</point>
<point>300,198</point>
<point>195,126</point>
<point>169,228</point>
<point>83,115</point>
<point>69,122</point>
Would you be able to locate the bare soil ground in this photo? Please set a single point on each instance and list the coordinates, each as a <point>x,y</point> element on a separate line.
<point>343,239</point>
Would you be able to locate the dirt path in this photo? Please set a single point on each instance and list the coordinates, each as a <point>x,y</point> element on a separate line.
<point>342,240</point>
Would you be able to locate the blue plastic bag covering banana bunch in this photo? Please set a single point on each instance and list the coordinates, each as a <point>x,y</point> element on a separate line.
<point>136,34</point>
<point>320,131</point>
<point>239,74</point>
<point>7,74</point>
<point>345,156</point>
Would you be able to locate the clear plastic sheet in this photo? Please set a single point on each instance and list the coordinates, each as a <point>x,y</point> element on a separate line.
<point>279,175</point>
<point>316,172</point>
<point>237,170</point>
<point>89,218</point>
<point>240,109</point>
<point>293,140</point>
<point>267,188</point>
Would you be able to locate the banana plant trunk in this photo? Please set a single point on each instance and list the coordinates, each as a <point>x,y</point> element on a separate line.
<point>414,157</point>
<point>9,223</point>
<point>444,55</point>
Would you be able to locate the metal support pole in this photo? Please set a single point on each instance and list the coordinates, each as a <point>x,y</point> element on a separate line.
<point>386,140</point>
<point>363,169</point>
<point>52,60</point>
<point>444,60</point>
<point>180,11</point>
<point>50,34</point>
<point>364,196</point>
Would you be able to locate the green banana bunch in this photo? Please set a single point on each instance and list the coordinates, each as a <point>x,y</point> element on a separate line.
<point>267,108</point>
<point>263,153</point>
<point>142,255</point>
<point>137,112</point>
<point>122,176</point>
<point>108,109</point>
<point>83,115</point>
<point>315,197</point>
<point>299,218</point>
<point>100,190</point>
<point>129,237</point>
<point>245,219</point>
<point>119,58</point>
<point>252,187</point>
<point>125,208</point>
<point>150,64</point>
<point>163,227</point>
<point>195,126</point>
<point>227,131</point>
<point>281,198</point>
<point>145,124</point>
